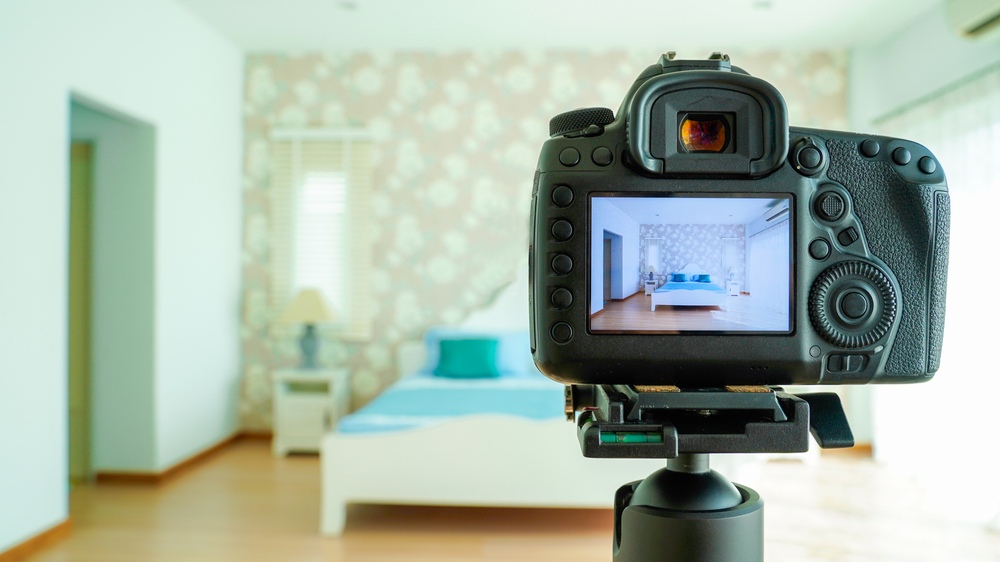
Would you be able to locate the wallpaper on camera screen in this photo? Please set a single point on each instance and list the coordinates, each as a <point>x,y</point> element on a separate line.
<point>690,264</point>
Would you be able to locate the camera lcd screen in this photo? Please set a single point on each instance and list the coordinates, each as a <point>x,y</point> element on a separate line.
<point>690,264</point>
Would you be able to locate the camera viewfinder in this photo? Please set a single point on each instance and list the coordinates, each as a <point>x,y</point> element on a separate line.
<point>704,132</point>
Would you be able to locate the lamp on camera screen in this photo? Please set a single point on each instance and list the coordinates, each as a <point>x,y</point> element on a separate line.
<point>704,133</point>
<point>679,264</point>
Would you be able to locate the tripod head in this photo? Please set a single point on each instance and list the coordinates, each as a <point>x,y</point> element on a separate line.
<point>686,511</point>
<point>623,421</point>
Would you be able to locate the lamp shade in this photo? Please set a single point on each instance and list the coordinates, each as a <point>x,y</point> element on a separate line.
<point>309,307</point>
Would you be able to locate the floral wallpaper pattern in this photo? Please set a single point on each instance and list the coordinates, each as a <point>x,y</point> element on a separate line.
<point>456,140</point>
<point>702,244</point>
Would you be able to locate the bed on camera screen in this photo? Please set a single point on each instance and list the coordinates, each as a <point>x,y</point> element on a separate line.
<point>688,264</point>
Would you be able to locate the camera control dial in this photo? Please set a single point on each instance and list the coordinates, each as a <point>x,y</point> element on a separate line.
<point>589,121</point>
<point>852,304</point>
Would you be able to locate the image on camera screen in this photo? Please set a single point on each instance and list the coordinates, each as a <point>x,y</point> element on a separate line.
<point>678,264</point>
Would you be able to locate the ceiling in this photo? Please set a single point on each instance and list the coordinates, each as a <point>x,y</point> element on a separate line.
<point>687,26</point>
<point>692,210</point>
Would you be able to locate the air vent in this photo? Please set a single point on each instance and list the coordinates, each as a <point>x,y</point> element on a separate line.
<point>977,20</point>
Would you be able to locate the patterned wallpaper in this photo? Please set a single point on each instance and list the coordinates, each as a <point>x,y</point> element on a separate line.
<point>701,244</point>
<point>456,140</point>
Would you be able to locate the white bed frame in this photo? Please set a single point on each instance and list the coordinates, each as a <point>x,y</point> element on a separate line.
<point>487,460</point>
<point>695,297</point>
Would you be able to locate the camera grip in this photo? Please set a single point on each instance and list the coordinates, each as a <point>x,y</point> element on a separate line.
<point>906,226</point>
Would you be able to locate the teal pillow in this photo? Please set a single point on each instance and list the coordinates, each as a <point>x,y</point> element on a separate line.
<point>704,279</point>
<point>468,359</point>
<point>678,277</point>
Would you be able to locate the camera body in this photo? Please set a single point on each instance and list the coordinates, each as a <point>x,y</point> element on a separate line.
<point>696,240</point>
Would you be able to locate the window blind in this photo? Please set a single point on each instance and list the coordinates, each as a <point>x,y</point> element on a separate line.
<point>321,185</point>
<point>652,257</point>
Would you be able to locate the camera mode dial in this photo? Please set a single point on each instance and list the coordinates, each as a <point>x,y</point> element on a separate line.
<point>589,121</point>
<point>852,304</point>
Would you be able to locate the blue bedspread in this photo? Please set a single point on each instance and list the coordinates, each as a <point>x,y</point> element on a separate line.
<point>423,400</point>
<point>689,286</point>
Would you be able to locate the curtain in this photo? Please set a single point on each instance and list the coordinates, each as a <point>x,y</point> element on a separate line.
<point>767,261</point>
<point>954,413</point>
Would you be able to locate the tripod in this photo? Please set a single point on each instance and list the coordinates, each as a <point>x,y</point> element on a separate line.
<point>686,511</point>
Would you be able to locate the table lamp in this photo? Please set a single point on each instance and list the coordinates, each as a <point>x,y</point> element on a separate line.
<point>309,308</point>
<point>650,270</point>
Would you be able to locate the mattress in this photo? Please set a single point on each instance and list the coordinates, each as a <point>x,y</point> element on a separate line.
<point>689,286</point>
<point>423,400</point>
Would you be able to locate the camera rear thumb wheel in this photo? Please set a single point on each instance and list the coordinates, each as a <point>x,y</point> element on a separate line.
<point>852,304</point>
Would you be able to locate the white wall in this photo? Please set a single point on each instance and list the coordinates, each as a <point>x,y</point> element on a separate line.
<point>157,62</point>
<point>606,216</point>
<point>922,59</point>
<point>122,428</point>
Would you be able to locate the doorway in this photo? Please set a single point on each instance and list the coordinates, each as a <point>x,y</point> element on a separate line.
<point>110,292</point>
<point>607,269</point>
<point>81,180</point>
<point>613,287</point>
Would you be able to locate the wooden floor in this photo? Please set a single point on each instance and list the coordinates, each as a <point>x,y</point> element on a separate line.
<point>243,505</point>
<point>741,313</point>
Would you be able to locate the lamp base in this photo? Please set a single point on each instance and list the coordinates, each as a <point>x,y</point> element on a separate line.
<point>309,344</point>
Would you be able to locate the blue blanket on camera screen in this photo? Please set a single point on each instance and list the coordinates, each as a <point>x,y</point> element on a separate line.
<point>689,286</point>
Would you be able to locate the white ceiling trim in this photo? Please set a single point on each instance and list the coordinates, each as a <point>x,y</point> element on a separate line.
<point>687,26</point>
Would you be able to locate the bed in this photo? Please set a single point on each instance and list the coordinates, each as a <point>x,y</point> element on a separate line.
<point>691,292</point>
<point>500,441</point>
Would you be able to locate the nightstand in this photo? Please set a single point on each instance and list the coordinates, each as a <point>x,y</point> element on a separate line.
<point>650,287</point>
<point>734,288</point>
<point>307,404</point>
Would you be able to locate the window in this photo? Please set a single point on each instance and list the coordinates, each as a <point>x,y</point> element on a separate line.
<point>652,257</point>
<point>321,212</point>
<point>961,126</point>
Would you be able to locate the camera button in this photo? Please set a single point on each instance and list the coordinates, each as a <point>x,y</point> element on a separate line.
<point>810,157</point>
<point>562,299</point>
<point>870,148</point>
<point>854,305</point>
<point>845,363</point>
<point>901,156</point>
<point>602,156</point>
<point>562,264</point>
<point>848,236</point>
<point>562,230</point>
<point>569,157</point>
<point>830,206</point>
<point>819,249</point>
<point>561,332</point>
<point>927,165</point>
<point>562,195</point>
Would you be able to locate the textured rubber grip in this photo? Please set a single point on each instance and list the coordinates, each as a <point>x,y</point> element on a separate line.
<point>900,226</point>
<point>939,278</point>
<point>579,119</point>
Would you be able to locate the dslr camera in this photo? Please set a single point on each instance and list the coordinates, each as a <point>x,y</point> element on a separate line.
<point>696,240</point>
